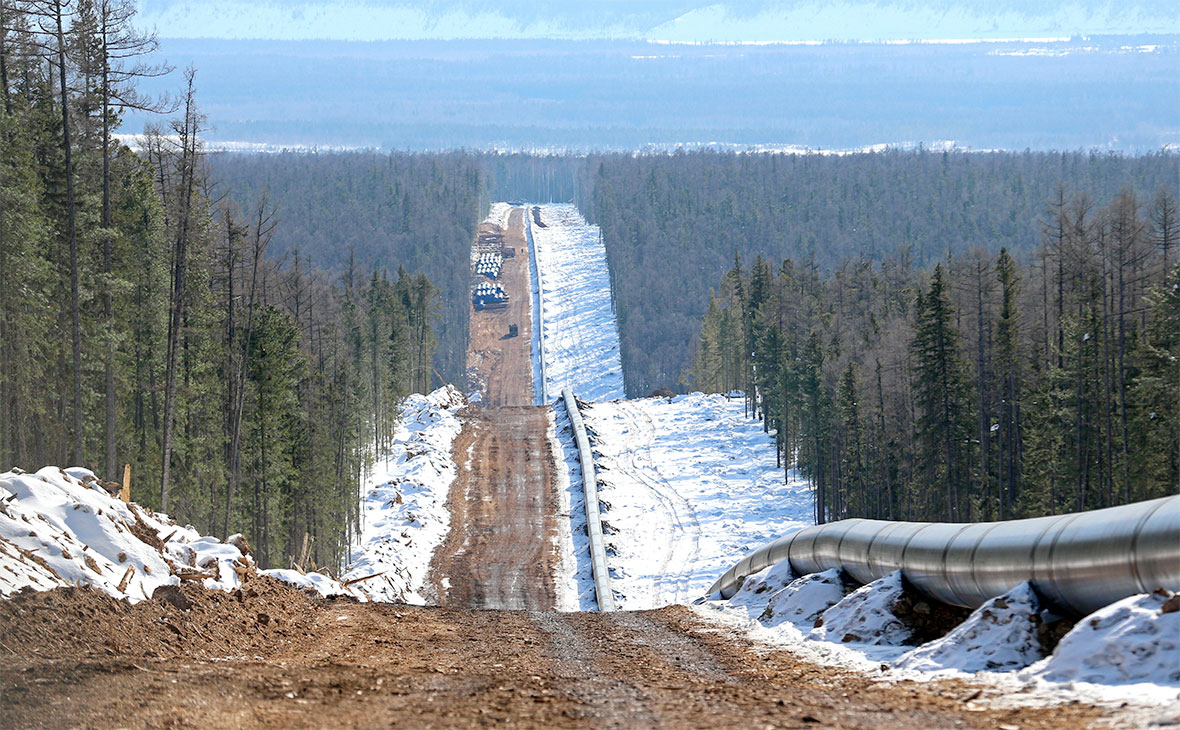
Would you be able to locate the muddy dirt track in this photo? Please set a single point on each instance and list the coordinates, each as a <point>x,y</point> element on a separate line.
<point>499,366</point>
<point>271,657</point>
<point>501,550</point>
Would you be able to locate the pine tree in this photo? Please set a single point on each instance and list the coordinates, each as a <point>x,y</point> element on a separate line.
<point>940,389</point>
<point>1008,377</point>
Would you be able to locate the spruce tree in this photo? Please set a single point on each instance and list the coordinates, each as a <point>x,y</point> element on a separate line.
<point>940,391</point>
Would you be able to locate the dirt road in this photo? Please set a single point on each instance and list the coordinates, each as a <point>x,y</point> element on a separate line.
<point>501,551</point>
<point>273,658</point>
<point>499,366</point>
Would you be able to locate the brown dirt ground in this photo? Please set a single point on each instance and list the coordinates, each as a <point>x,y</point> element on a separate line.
<point>76,658</point>
<point>498,366</point>
<point>501,551</point>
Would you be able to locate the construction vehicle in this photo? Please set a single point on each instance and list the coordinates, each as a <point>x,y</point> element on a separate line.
<point>513,330</point>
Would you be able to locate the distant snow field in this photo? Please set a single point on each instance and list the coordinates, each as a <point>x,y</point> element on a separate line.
<point>580,337</point>
<point>689,486</point>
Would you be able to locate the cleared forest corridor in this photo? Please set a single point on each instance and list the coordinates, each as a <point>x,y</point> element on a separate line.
<point>270,656</point>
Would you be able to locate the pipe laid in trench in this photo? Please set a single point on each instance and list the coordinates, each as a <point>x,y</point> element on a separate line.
<point>1080,562</point>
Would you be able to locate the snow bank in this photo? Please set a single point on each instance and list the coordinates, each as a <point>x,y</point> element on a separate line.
<point>498,215</point>
<point>575,574</point>
<point>999,635</point>
<point>580,337</point>
<point>63,528</point>
<point>804,600</point>
<point>755,589</point>
<point>404,504</point>
<point>867,615</point>
<point>1134,640</point>
<point>1125,657</point>
<point>689,486</point>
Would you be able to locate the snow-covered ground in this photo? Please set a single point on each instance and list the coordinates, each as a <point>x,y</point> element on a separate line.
<point>1124,656</point>
<point>404,504</point>
<point>580,336</point>
<point>689,486</point>
<point>61,527</point>
<point>575,577</point>
<point>498,215</point>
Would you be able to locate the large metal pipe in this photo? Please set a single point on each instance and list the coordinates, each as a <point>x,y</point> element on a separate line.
<point>602,590</point>
<point>1081,562</point>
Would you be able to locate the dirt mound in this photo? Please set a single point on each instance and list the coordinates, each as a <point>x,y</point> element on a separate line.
<point>188,621</point>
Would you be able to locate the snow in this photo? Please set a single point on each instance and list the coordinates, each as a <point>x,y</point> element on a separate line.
<point>580,336</point>
<point>867,615</point>
<point>498,215</point>
<point>689,486</point>
<point>1123,657</point>
<point>1127,642</point>
<point>575,576</point>
<point>804,600</point>
<point>404,504</point>
<point>999,635</point>
<point>768,582</point>
<point>61,527</point>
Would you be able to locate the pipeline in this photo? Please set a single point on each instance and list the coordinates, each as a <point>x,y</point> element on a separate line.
<point>1080,562</point>
<point>540,390</point>
<point>602,589</point>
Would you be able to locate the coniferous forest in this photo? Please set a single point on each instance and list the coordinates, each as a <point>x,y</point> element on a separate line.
<point>143,320</point>
<point>671,223</point>
<point>987,386</point>
<point>932,335</point>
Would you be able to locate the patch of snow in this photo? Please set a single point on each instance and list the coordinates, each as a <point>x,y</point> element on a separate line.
<point>804,600</point>
<point>61,527</point>
<point>756,589</point>
<point>575,575</point>
<point>580,337</point>
<point>1131,641</point>
<point>498,215</point>
<point>999,635</point>
<point>404,504</point>
<point>318,582</point>
<point>1123,657</point>
<point>689,485</point>
<point>866,615</point>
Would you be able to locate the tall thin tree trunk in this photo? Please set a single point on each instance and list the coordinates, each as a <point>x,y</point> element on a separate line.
<point>79,456</point>
<point>188,164</point>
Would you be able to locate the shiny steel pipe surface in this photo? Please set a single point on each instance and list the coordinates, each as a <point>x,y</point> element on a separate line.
<point>1081,562</point>
<point>602,590</point>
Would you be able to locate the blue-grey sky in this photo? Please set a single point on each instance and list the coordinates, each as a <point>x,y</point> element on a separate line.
<point>669,20</point>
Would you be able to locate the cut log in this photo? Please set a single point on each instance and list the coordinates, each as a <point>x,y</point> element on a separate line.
<point>126,578</point>
<point>358,580</point>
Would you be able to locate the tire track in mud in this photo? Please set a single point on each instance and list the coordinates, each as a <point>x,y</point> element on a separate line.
<point>501,551</point>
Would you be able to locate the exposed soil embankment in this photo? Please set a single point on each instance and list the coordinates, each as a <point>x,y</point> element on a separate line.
<point>271,657</point>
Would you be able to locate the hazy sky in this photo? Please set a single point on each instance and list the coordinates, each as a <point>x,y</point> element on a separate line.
<point>672,20</point>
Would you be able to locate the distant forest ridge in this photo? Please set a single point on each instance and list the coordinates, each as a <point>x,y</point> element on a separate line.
<point>673,222</point>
